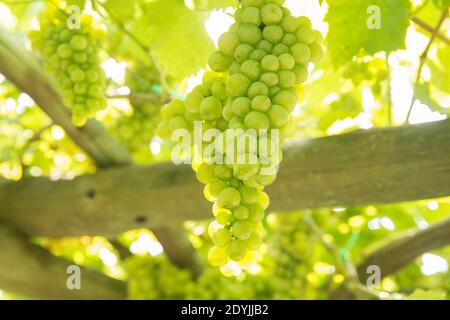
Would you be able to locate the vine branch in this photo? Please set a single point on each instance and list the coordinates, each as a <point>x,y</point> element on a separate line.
<point>423,59</point>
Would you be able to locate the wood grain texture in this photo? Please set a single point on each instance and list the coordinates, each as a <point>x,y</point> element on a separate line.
<point>365,167</point>
<point>32,272</point>
<point>22,68</point>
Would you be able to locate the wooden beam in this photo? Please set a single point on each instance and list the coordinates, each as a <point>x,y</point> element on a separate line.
<point>364,167</point>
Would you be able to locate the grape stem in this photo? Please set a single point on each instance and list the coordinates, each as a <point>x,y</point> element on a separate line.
<point>430,29</point>
<point>344,265</point>
<point>36,137</point>
<point>423,59</point>
<point>145,48</point>
<point>139,97</point>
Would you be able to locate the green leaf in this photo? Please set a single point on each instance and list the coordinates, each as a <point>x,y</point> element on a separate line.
<point>79,3</point>
<point>422,92</point>
<point>121,11</point>
<point>349,31</point>
<point>442,4</point>
<point>440,76</point>
<point>420,294</point>
<point>215,4</point>
<point>176,35</point>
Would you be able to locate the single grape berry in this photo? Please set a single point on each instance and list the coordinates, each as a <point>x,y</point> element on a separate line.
<point>228,43</point>
<point>229,198</point>
<point>256,120</point>
<point>271,14</point>
<point>237,84</point>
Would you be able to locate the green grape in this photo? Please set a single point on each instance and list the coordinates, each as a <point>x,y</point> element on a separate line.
<point>301,73</point>
<point>228,43</point>
<point>256,213</point>
<point>290,24</point>
<point>263,200</point>
<point>252,3</point>
<point>287,79</point>
<point>257,55</point>
<point>249,34</point>
<point>92,76</point>
<point>249,195</point>
<point>256,120</point>
<point>241,230</point>
<point>222,124</point>
<point>241,213</point>
<point>224,217</point>
<point>304,22</point>
<point>316,52</point>
<point>193,101</point>
<point>278,116</point>
<point>234,68</point>
<point>237,250</point>
<point>280,48</point>
<point>229,198</point>
<point>241,106</point>
<point>222,237</point>
<point>286,100</point>
<point>251,15</point>
<point>257,89</point>
<point>64,51</point>
<point>270,79</point>
<point>242,52</point>
<point>266,52</point>
<point>287,61</point>
<point>245,171</point>
<point>80,57</point>
<point>80,88</point>
<point>301,53</point>
<point>253,242</point>
<point>236,123</point>
<point>273,33</point>
<point>214,188</point>
<point>223,171</point>
<point>78,42</point>
<point>237,85</point>
<point>271,14</point>
<point>270,63</point>
<point>305,35</point>
<point>77,75</point>
<point>265,45</point>
<point>266,179</point>
<point>217,256</point>
<point>289,39</point>
<point>318,37</point>
<point>219,62</point>
<point>178,123</point>
<point>261,103</point>
<point>71,57</point>
<point>219,90</point>
<point>279,3</point>
<point>227,112</point>
<point>205,173</point>
<point>251,69</point>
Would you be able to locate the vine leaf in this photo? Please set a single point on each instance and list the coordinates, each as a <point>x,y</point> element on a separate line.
<point>176,35</point>
<point>215,4</point>
<point>349,31</point>
<point>422,92</point>
<point>439,70</point>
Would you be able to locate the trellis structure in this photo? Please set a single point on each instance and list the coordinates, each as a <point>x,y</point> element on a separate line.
<point>364,167</point>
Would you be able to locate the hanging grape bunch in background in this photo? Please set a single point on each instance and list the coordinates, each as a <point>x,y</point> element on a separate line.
<point>71,56</point>
<point>256,83</point>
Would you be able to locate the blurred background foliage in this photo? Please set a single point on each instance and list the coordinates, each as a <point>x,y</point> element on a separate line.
<point>366,80</point>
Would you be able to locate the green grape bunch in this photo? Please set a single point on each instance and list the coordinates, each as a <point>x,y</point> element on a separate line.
<point>255,84</point>
<point>137,129</point>
<point>71,56</point>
